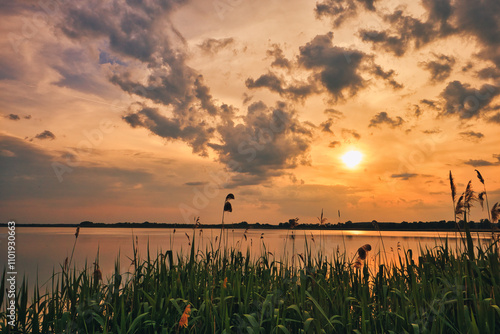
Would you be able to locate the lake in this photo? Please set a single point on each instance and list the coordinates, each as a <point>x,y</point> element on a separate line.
<point>42,250</point>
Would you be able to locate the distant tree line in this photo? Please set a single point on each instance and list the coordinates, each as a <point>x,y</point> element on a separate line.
<point>483,224</point>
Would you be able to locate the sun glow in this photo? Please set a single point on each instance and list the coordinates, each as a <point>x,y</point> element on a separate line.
<point>352,158</point>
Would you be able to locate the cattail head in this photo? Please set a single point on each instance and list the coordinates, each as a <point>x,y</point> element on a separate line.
<point>363,250</point>
<point>97,272</point>
<point>224,284</point>
<point>227,205</point>
<point>479,176</point>
<point>77,233</point>
<point>362,254</point>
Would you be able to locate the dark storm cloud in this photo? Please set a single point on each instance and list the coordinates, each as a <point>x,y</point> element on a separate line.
<point>213,46</point>
<point>472,136</point>
<point>276,84</point>
<point>406,31</point>
<point>467,18</point>
<point>440,68</point>
<point>341,10</point>
<point>141,35</point>
<point>279,58</point>
<point>384,118</point>
<point>130,28</point>
<point>45,135</point>
<point>378,71</point>
<point>465,101</point>
<point>13,117</point>
<point>196,134</point>
<point>482,20</point>
<point>337,68</point>
<point>269,141</point>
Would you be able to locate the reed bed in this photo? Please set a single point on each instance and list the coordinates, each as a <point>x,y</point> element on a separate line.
<point>439,290</point>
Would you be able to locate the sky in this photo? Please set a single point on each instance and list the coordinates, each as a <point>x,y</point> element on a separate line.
<point>115,111</point>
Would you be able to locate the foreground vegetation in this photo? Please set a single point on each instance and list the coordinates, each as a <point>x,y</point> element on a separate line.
<point>437,291</point>
<point>222,290</point>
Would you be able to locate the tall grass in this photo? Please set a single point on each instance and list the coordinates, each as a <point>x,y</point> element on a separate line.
<point>215,291</point>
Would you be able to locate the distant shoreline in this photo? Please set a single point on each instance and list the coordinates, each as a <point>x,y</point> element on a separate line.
<point>442,226</point>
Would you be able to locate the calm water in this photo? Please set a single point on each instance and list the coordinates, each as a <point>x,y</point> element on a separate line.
<point>41,250</point>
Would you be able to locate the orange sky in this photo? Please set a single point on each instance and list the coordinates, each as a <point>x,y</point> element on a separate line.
<point>114,111</point>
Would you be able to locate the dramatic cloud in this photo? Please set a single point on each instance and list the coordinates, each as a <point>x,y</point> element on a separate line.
<point>279,58</point>
<point>481,19</point>
<point>440,68</point>
<point>269,141</point>
<point>45,135</point>
<point>142,33</point>
<point>384,118</point>
<point>275,84</point>
<point>341,10</point>
<point>472,136</point>
<point>195,133</point>
<point>406,31</point>
<point>213,46</point>
<point>337,68</point>
<point>465,101</point>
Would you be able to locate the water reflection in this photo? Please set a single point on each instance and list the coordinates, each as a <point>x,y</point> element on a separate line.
<point>42,250</point>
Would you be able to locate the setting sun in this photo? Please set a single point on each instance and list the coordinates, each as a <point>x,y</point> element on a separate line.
<point>352,158</point>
